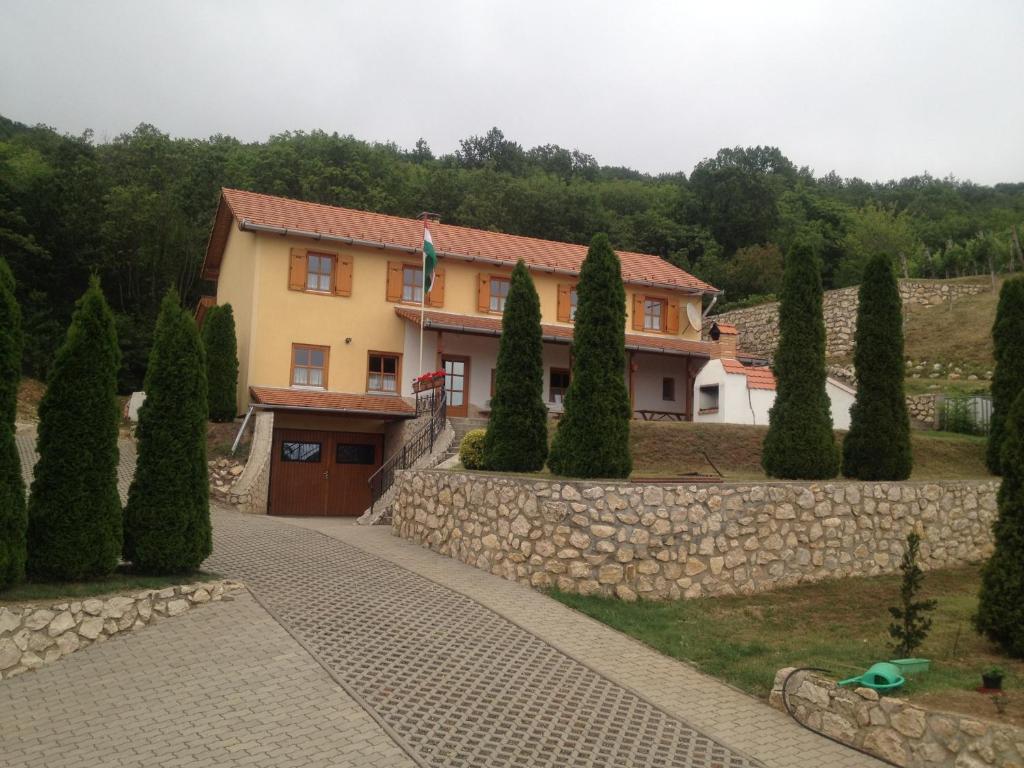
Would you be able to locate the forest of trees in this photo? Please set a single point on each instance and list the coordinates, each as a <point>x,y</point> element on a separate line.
<point>137,211</point>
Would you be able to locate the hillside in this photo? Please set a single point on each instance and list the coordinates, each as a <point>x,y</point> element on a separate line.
<point>953,335</point>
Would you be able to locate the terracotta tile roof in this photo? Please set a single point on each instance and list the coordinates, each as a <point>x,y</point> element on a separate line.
<point>340,402</point>
<point>449,240</point>
<point>758,376</point>
<point>491,326</point>
<point>727,328</point>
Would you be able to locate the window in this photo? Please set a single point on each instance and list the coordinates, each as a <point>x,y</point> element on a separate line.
<point>668,388</point>
<point>654,314</point>
<point>559,384</point>
<point>355,454</point>
<point>383,373</point>
<point>412,283</point>
<point>318,272</point>
<point>306,453</point>
<point>709,399</point>
<point>572,304</point>
<point>499,292</point>
<point>309,366</point>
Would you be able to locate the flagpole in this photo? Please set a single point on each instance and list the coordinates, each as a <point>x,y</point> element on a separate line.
<point>423,291</point>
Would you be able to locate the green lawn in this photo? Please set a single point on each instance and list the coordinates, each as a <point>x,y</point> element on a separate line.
<point>841,625</point>
<point>31,591</point>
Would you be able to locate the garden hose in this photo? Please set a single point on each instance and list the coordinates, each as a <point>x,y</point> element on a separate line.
<point>789,711</point>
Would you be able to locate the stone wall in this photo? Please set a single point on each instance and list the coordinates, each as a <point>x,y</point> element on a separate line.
<point>922,409</point>
<point>671,541</point>
<point>759,326</point>
<point>31,636</point>
<point>896,730</point>
<point>252,488</point>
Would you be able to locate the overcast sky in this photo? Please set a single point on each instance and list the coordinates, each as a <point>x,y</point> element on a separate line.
<point>872,89</point>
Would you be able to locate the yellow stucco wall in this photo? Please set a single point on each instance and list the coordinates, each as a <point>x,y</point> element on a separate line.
<point>270,317</point>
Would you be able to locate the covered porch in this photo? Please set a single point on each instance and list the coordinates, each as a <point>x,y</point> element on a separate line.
<point>659,372</point>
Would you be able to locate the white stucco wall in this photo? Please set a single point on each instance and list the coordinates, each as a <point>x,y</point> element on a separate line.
<point>647,382</point>
<point>842,400</point>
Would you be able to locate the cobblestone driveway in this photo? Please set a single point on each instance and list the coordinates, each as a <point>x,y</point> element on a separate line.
<point>460,684</point>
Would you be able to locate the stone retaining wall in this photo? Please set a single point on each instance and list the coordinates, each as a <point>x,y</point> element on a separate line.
<point>759,326</point>
<point>896,730</point>
<point>249,492</point>
<point>31,636</point>
<point>672,541</point>
<point>922,409</point>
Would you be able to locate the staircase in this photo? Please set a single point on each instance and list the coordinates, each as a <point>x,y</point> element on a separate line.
<point>461,427</point>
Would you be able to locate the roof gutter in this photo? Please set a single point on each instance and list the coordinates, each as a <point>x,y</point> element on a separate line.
<point>250,226</point>
<point>350,411</point>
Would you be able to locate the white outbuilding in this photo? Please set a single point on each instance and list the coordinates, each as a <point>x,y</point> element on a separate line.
<point>728,392</point>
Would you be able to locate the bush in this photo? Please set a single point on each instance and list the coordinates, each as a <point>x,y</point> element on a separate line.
<point>592,439</point>
<point>13,520</point>
<point>74,510</point>
<point>957,414</point>
<point>517,435</point>
<point>1008,376</point>
<point>800,444</point>
<point>221,362</point>
<point>912,623</point>
<point>1000,607</point>
<point>878,444</point>
<point>167,520</point>
<point>471,450</point>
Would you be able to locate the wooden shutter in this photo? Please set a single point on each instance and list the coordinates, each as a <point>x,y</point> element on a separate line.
<point>638,312</point>
<point>672,316</point>
<point>394,281</point>
<point>436,296</point>
<point>564,303</point>
<point>297,270</point>
<point>483,292</point>
<point>343,275</point>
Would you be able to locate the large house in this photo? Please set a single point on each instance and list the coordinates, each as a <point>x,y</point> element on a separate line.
<point>327,303</point>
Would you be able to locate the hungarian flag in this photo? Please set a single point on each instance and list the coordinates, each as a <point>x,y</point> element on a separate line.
<point>429,260</point>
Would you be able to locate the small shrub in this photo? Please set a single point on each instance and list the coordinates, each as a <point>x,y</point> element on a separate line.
<point>957,414</point>
<point>912,621</point>
<point>471,450</point>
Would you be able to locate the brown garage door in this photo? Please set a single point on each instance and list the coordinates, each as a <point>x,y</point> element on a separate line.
<point>315,472</point>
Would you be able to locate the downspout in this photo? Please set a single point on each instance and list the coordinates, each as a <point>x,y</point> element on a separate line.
<point>714,300</point>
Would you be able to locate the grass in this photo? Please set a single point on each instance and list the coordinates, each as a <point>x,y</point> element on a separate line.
<point>678,448</point>
<point>841,625</point>
<point>120,581</point>
<point>946,387</point>
<point>30,394</point>
<point>959,334</point>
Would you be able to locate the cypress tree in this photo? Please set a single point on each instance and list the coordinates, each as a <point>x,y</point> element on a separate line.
<point>167,519</point>
<point>592,439</point>
<point>878,444</point>
<point>517,434</point>
<point>221,362</point>
<point>13,520</point>
<point>1000,607</point>
<point>74,510</point>
<point>800,444</point>
<point>1008,376</point>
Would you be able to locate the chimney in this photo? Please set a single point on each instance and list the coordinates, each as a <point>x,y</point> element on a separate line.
<point>724,336</point>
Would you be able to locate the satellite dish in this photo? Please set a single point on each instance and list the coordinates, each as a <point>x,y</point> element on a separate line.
<point>693,315</point>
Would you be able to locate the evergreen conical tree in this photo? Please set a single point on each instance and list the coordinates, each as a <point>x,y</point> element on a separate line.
<point>592,439</point>
<point>13,519</point>
<point>74,510</point>
<point>517,434</point>
<point>1001,607</point>
<point>878,444</point>
<point>1008,376</point>
<point>167,519</point>
<point>221,362</point>
<point>800,444</point>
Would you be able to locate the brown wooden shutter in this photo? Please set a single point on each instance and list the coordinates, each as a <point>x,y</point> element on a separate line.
<point>436,296</point>
<point>638,312</point>
<point>672,318</point>
<point>297,270</point>
<point>564,303</point>
<point>343,275</point>
<point>394,281</point>
<point>483,292</point>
